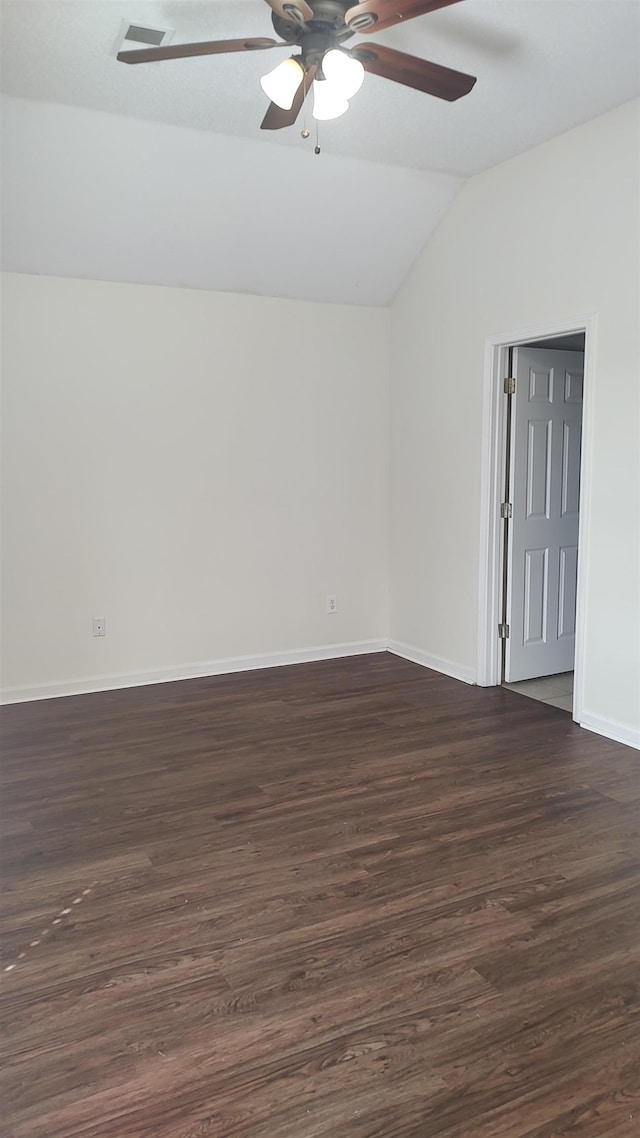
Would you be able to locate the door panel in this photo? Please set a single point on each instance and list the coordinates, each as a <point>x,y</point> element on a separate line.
<point>567,591</point>
<point>571,441</point>
<point>536,576</point>
<point>538,468</point>
<point>543,533</point>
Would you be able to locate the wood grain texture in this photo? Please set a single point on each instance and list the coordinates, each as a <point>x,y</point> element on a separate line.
<point>352,898</point>
<point>421,74</point>
<point>188,50</point>
<point>390,12</point>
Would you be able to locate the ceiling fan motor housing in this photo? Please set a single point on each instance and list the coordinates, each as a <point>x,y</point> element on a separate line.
<point>327,29</point>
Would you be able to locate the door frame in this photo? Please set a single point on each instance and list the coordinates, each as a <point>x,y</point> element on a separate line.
<point>491,564</point>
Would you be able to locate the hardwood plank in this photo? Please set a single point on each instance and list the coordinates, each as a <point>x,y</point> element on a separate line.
<point>347,898</point>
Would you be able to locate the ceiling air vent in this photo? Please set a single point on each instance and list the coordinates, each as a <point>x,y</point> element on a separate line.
<point>132,34</point>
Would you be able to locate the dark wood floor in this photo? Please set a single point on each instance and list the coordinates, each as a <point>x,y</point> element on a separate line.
<point>352,899</point>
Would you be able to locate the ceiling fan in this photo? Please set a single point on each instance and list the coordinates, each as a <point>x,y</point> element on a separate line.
<point>319,28</point>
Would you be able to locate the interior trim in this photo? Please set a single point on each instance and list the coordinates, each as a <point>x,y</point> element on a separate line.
<point>437,663</point>
<point>190,671</point>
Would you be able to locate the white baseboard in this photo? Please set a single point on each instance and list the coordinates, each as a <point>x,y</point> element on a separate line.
<point>190,671</point>
<point>618,732</point>
<point>437,663</point>
<point>610,729</point>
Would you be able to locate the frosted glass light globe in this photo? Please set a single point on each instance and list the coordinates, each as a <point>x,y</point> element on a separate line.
<point>281,84</point>
<point>328,103</point>
<point>345,73</point>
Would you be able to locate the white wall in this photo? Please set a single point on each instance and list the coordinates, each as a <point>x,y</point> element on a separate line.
<point>199,468</point>
<point>547,236</point>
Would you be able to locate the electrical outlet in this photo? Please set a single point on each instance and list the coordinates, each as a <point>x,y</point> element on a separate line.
<point>99,626</point>
<point>332,603</point>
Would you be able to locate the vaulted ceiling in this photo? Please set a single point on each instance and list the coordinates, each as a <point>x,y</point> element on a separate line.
<point>164,172</point>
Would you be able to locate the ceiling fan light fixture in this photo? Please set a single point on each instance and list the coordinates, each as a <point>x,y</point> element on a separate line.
<point>328,102</point>
<point>345,73</point>
<point>281,84</point>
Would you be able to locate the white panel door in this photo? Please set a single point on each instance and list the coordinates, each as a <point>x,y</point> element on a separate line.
<point>545,496</point>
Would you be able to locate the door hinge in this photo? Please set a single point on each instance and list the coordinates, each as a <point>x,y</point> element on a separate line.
<point>503,631</point>
<point>510,386</point>
<point>506,510</point>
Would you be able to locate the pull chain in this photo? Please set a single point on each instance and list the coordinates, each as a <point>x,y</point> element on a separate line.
<point>305,132</point>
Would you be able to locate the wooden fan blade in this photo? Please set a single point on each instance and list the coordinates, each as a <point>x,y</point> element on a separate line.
<point>186,50</point>
<point>296,11</point>
<point>385,13</point>
<point>276,117</point>
<point>431,78</point>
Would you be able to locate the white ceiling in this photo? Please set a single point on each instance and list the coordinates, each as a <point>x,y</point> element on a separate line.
<point>344,226</point>
<point>543,66</point>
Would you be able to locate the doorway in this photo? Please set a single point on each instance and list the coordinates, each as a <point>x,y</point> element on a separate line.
<point>532,513</point>
<point>542,487</point>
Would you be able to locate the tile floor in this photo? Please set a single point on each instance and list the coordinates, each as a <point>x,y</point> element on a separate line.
<point>556,690</point>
